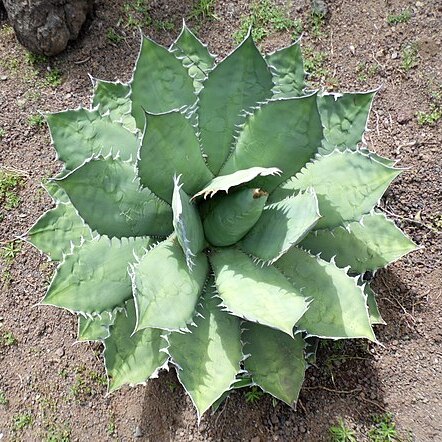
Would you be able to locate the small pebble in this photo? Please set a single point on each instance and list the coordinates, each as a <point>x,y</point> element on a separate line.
<point>394,55</point>
<point>138,432</point>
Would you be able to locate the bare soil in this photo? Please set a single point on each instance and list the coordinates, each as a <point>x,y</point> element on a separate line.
<point>58,383</point>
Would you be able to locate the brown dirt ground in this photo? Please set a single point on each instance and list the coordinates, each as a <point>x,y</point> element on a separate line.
<point>403,376</point>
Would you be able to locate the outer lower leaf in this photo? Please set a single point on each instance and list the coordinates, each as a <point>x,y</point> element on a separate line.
<point>208,358</point>
<point>194,55</point>
<point>276,361</point>
<point>187,224</point>
<point>225,182</point>
<point>55,191</point>
<point>281,225</point>
<point>237,83</point>
<point>97,328</point>
<point>113,98</point>
<point>258,294</point>
<point>80,134</point>
<point>229,218</point>
<point>369,244</point>
<point>338,308</point>
<point>95,279</point>
<point>344,117</point>
<point>165,290</point>
<point>108,197</point>
<point>283,134</point>
<point>160,82</point>
<point>57,230</point>
<point>171,147</point>
<point>287,70</point>
<point>348,185</point>
<point>132,358</point>
<point>375,315</point>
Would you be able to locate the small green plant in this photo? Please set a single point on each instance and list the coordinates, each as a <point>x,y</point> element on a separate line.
<point>341,433</point>
<point>2,132</point>
<point>316,24</point>
<point>435,113</point>
<point>87,383</point>
<point>9,184</point>
<point>409,57</point>
<point>253,395</point>
<point>297,28</point>
<point>36,120</point>
<point>21,421</point>
<point>8,339</point>
<point>264,18</point>
<point>384,429</point>
<point>113,36</point>
<point>207,210</point>
<point>136,14</point>
<point>9,252</point>
<point>3,399</point>
<point>57,433</point>
<point>54,77</point>
<point>112,426</point>
<point>204,10</point>
<point>314,64</point>
<point>402,17</point>
<point>165,25</point>
<point>35,59</point>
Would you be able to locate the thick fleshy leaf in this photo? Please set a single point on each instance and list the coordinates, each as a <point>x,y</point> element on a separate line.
<point>230,217</point>
<point>170,147</point>
<point>344,117</point>
<point>338,308</point>
<point>208,358</point>
<point>281,225</point>
<point>57,230</point>
<point>97,328</point>
<point>80,134</point>
<point>94,278</point>
<point>160,82</point>
<point>258,294</point>
<point>368,244</point>
<point>187,224</point>
<point>348,185</point>
<point>291,128</point>
<point>240,81</point>
<point>55,191</point>
<point>109,198</point>
<point>373,310</point>
<point>165,290</point>
<point>132,358</point>
<point>275,360</point>
<point>113,98</point>
<point>194,55</point>
<point>223,183</point>
<point>287,70</point>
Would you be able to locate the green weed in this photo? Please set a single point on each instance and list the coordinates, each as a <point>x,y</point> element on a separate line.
<point>314,64</point>
<point>253,395</point>
<point>112,426</point>
<point>3,399</point>
<point>54,77</point>
<point>9,183</point>
<point>316,24</point>
<point>9,252</point>
<point>204,10</point>
<point>113,36</point>
<point>384,429</point>
<point>409,57</point>
<point>21,421</point>
<point>87,383</point>
<point>341,433</point>
<point>36,120</point>
<point>35,59</point>
<point>2,133</point>
<point>136,14</point>
<point>57,434</point>
<point>402,17</point>
<point>8,339</point>
<point>264,18</point>
<point>164,25</point>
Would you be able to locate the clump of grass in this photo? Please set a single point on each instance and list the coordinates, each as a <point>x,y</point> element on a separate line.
<point>136,14</point>
<point>9,184</point>
<point>87,383</point>
<point>7,339</point>
<point>314,63</point>
<point>35,59</point>
<point>341,433</point>
<point>264,18</point>
<point>253,395</point>
<point>21,421</point>
<point>113,36</point>
<point>54,77</point>
<point>164,25</point>
<point>204,10</point>
<point>402,17</point>
<point>3,399</point>
<point>409,57</point>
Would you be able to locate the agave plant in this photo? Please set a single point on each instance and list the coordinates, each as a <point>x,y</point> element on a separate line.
<point>216,217</point>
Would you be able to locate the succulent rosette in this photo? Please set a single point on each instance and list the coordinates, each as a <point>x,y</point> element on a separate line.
<point>215,217</point>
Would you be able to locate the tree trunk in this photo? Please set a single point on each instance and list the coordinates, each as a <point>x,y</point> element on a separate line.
<point>46,26</point>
